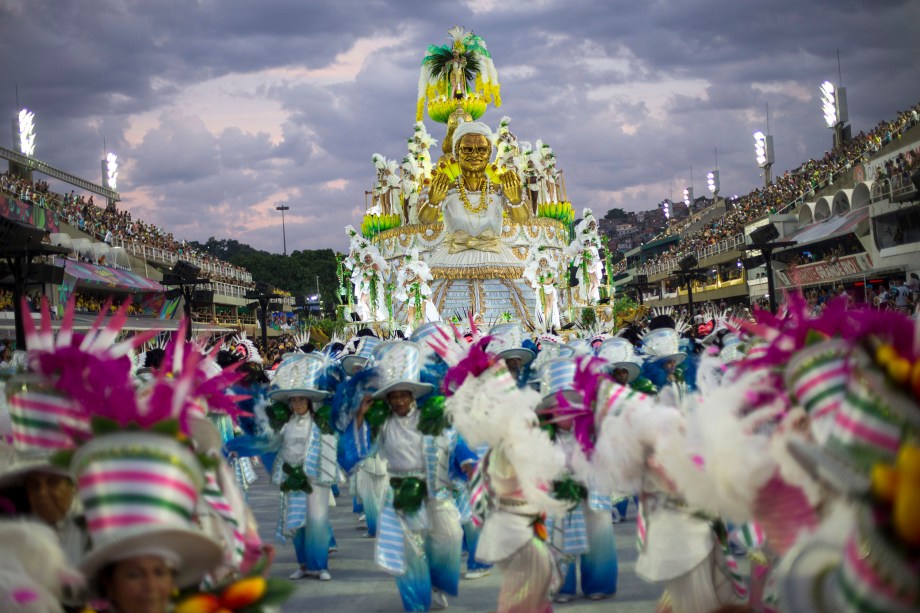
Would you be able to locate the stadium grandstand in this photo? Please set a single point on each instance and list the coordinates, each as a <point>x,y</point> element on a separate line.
<point>104,253</point>
<point>853,214</point>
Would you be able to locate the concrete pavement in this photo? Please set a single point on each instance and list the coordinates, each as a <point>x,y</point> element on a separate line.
<point>359,585</point>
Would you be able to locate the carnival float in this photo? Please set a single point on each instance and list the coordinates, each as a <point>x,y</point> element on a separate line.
<point>481,227</point>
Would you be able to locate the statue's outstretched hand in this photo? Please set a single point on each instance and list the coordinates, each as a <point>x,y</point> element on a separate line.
<point>512,187</point>
<point>438,190</point>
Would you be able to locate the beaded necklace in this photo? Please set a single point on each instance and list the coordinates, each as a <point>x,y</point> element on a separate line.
<point>484,200</point>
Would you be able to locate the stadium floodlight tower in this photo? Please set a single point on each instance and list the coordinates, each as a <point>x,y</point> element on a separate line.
<point>665,207</point>
<point>688,196</point>
<point>712,180</point>
<point>834,106</point>
<point>763,151</point>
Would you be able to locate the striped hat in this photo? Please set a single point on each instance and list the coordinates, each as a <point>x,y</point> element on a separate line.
<point>732,348</point>
<point>816,377</point>
<point>303,374</point>
<point>398,368</point>
<point>354,362</point>
<point>507,342</point>
<point>619,353</point>
<point>139,492</point>
<point>557,375</point>
<point>872,420</point>
<point>663,344</point>
<point>867,573</point>
<point>43,423</point>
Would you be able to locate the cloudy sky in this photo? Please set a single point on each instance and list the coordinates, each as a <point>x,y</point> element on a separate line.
<point>221,110</point>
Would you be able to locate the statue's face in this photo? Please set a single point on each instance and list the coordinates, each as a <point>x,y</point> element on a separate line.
<point>474,151</point>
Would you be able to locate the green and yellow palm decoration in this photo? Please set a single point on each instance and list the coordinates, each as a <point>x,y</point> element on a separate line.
<point>459,74</point>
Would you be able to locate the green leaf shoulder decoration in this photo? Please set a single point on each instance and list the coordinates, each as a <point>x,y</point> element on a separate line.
<point>376,416</point>
<point>644,385</point>
<point>323,419</point>
<point>278,414</point>
<point>432,418</point>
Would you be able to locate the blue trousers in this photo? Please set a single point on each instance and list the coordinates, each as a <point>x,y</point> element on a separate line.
<point>470,542</point>
<point>599,566</point>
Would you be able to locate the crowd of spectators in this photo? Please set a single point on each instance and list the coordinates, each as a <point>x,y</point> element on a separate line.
<point>110,225</point>
<point>790,187</point>
<point>6,300</point>
<point>92,305</point>
<point>83,303</point>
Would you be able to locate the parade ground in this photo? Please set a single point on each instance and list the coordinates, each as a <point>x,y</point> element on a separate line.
<point>358,585</point>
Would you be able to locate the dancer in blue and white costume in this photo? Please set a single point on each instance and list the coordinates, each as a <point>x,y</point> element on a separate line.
<point>586,531</point>
<point>370,477</point>
<point>306,465</point>
<point>419,534</point>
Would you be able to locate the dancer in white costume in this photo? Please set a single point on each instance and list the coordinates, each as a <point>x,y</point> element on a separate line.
<point>583,251</point>
<point>369,278</point>
<point>543,271</point>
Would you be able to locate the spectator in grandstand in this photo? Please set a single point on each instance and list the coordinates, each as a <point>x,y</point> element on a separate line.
<point>914,286</point>
<point>901,295</point>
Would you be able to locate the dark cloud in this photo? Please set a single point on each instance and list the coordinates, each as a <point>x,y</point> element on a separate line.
<point>221,110</point>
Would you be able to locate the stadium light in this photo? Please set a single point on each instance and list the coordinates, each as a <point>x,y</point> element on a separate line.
<point>111,171</point>
<point>712,180</point>
<point>829,103</point>
<point>688,196</point>
<point>834,107</point>
<point>763,152</point>
<point>666,209</point>
<point>27,132</point>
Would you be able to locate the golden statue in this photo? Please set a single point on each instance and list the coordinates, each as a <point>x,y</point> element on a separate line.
<point>472,148</point>
<point>471,197</point>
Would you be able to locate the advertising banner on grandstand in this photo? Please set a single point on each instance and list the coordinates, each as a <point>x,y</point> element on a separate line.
<point>826,271</point>
<point>95,276</point>
<point>35,215</point>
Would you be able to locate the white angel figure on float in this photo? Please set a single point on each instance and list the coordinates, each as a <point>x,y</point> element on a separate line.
<point>386,191</point>
<point>356,245</point>
<point>369,279</point>
<point>413,290</point>
<point>419,145</point>
<point>542,271</point>
<point>410,187</point>
<point>507,149</point>
<point>584,254</point>
<point>548,176</point>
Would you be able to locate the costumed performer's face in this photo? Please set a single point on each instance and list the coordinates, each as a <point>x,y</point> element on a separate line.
<point>560,421</point>
<point>474,151</point>
<point>514,366</point>
<point>142,584</point>
<point>50,495</point>
<point>669,366</point>
<point>621,375</point>
<point>400,402</point>
<point>300,405</point>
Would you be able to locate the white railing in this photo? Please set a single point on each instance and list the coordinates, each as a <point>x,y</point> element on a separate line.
<point>709,251</point>
<point>894,188</point>
<point>164,256</point>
